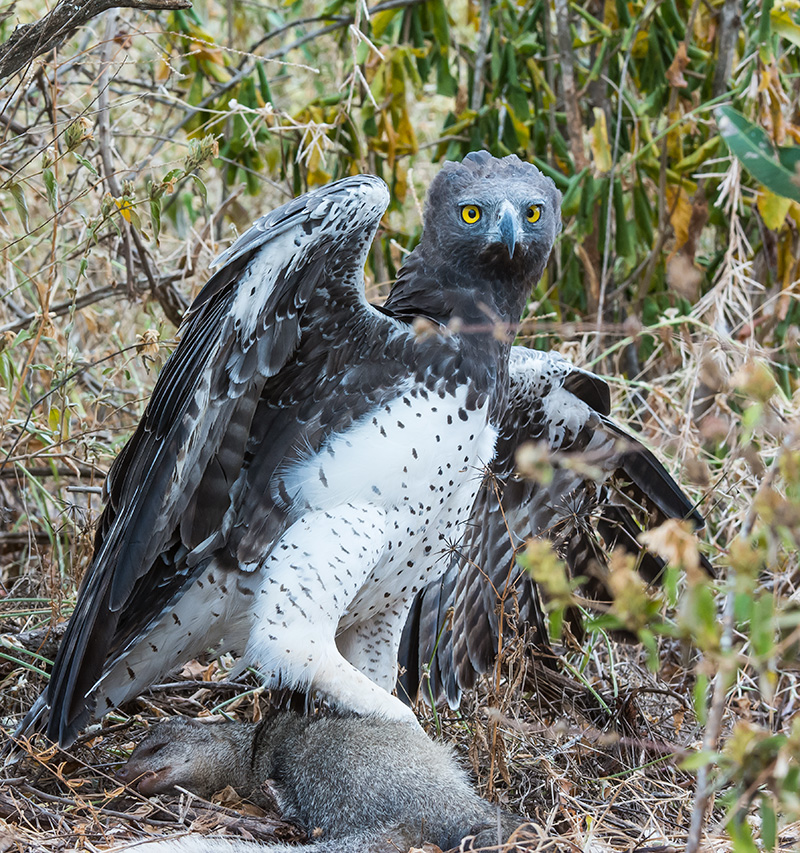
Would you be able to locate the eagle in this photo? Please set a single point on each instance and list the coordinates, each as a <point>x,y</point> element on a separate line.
<point>311,468</point>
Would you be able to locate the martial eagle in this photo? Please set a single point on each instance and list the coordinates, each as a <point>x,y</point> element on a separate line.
<point>309,463</point>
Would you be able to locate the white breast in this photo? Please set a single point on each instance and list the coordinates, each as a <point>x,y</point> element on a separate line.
<point>392,456</point>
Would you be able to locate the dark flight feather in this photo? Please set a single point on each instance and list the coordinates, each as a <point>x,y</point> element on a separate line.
<point>170,488</point>
<point>457,619</point>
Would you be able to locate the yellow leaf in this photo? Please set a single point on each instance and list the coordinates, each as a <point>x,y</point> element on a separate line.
<point>698,156</point>
<point>641,44</point>
<point>787,271</point>
<point>124,208</point>
<point>520,128</point>
<point>783,24</point>
<point>539,83</point>
<point>680,213</point>
<point>400,185</point>
<point>163,70</point>
<point>381,20</point>
<point>705,22</point>
<point>773,209</point>
<point>601,150</point>
<point>794,212</point>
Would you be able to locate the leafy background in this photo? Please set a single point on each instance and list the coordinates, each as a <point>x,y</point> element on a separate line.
<point>137,148</point>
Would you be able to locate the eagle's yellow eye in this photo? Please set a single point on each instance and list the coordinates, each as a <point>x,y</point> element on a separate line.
<point>533,213</point>
<point>470,214</point>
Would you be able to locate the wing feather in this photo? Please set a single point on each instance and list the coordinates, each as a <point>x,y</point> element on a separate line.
<point>175,483</point>
<point>566,408</point>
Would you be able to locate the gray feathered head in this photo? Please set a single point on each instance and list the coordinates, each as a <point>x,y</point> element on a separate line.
<point>501,214</point>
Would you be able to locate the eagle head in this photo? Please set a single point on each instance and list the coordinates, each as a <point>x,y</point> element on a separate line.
<point>499,216</point>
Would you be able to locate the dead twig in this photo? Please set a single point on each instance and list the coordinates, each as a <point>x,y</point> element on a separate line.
<point>32,40</point>
<point>722,680</point>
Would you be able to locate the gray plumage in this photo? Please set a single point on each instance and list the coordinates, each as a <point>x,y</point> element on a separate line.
<point>356,783</point>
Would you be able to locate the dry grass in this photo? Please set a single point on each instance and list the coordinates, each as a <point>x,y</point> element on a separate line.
<point>619,788</point>
<point>582,787</point>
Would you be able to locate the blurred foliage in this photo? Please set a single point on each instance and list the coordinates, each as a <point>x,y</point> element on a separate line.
<point>144,141</point>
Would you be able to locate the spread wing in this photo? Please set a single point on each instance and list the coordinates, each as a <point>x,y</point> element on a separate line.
<point>177,491</point>
<point>458,623</point>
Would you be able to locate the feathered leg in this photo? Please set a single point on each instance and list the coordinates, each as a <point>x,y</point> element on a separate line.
<point>309,579</point>
<point>372,646</point>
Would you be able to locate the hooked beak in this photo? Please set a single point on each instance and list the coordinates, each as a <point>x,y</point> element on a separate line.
<point>507,228</point>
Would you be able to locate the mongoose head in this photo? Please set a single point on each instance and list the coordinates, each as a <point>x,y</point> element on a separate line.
<point>200,757</point>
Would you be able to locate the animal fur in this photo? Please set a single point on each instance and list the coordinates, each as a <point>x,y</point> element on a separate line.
<point>359,785</point>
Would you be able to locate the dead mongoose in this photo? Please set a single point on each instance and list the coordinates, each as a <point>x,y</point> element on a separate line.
<point>362,785</point>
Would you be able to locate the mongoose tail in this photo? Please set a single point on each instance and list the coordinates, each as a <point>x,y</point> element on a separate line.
<point>392,841</point>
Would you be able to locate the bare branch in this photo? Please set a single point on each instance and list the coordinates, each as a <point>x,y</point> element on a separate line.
<point>246,68</point>
<point>32,40</point>
<point>63,308</point>
<point>480,55</point>
<point>571,106</point>
<point>173,303</point>
<point>729,23</point>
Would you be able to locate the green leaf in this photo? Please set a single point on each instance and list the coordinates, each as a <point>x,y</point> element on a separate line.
<point>380,22</point>
<point>18,194</point>
<point>201,187</point>
<point>440,24</point>
<point>496,56</point>
<point>52,189</point>
<point>784,26</point>
<point>263,83</point>
<point>135,221</point>
<point>625,238</point>
<point>195,90</point>
<point>741,836</point>
<point>701,698</point>
<point>696,760</point>
<point>87,164</point>
<point>762,625</point>
<point>764,23</point>
<point>769,824</point>
<point>527,43</point>
<point>559,178</point>
<point>333,8</point>
<point>643,213</point>
<point>155,217</point>
<point>571,201</point>
<point>772,167</point>
<point>445,82</point>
